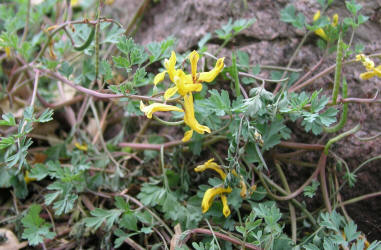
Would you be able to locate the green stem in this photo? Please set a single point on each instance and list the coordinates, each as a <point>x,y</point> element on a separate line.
<point>166,185</point>
<point>97,27</point>
<point>166,122</point>
<point>341,136</point>
<point>344,115</point>
<point>86,43</point>
<point>291,207</point>
<point>278,188</point>
<point>339,66</point>
<point>236,78</point>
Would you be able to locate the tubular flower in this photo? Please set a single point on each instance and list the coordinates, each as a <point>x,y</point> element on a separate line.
<point>211,165</point>
<point>243,188</point>
<point>371,70</point>
<point>181,87</point>
<point>189,117</point>
<point>209,197</point>
<point>170,69</point>
<point>150,109</point>
<point>320,32</point>
<point>28,179</point>
<point>203,76</point>
<point>226,209</point>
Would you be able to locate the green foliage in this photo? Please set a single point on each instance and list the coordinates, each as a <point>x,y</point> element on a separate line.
<point>230,29</point>
<point>310,190</point>
<point>35,228</point>
<point>288,15</point>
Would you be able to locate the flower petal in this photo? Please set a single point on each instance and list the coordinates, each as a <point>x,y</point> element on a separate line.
<point>211,165</point>
<point>170,66</point>
<point>193,58</point>
<point>316,16</point>
<point>335,20</point>
<point>155,107</point>
<point>320,32</point>
<point>209,195</point>
<point>209,76</point>
<point>170,92</point>
<point>159,77</point>
<point>189,117</point>
<point>367,75</point>
<point>226,209</point>
<point>187,136</point>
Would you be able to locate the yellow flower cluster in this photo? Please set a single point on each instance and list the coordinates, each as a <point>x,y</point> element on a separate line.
<point>211,193</point>
<point>185,84</point>
<point>320,32</point>
<point>371,70</point>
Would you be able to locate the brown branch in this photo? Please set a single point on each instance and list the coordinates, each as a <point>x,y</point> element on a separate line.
<point>298,145</point>
<point>218,235</point>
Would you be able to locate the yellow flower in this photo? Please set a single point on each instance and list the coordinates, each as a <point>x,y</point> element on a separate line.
<point>27,179</point>
<point>190,119</point>
<point>252,189</point>
<point>194,77</point>
<point>243,188</point>
<point>170,69</point>
<point>80,146</point>
<point>371,70</point>
<point>226,209</point>
<point>181,87</point>
<point>320,32</point>
<point>203,76</point>
<point>211,165</point>
<point>209,197</point>
<point>335,20</point>
<point>155,107</point>
<point>187,136</point>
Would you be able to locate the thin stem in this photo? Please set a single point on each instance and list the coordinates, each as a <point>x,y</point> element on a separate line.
<point>321,165</point>
<point>341,136</point>
<point>343,118</point>
<point>291,207</point>
<point>235,75</point>
<point>166,122</point>
<point>261,78</point>
<point>293,58</point>
<point>325,72</point>
<point>214,235</point>
<point>26,22</point>
<point>218,235</point>
<point>166,185</point>
<point>97,29</point>
<point>339,65</point>
<point>324,190</point>
<point>35,87</point>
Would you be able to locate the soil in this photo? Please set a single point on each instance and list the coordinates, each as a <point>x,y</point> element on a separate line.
<point>272,42</point>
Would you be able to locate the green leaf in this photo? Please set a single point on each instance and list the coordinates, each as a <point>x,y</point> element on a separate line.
<point>100,216</point>
<point>122,204</point>
<point>362,19</point>
<point>8,120</point>
<point>310,191</point>
<point>105,70</point>
<point>121,62</point>
<point>129,221</point>
<point>35,228</point>
<point>6,142</point>
<point>39,171</point>
<point>350,231</point>
<point>66,69</point>
<point>217,103</point>
<point>353,7</point>
<point>287,14</point>
<point>46,116</point>
<point>328,117</point>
